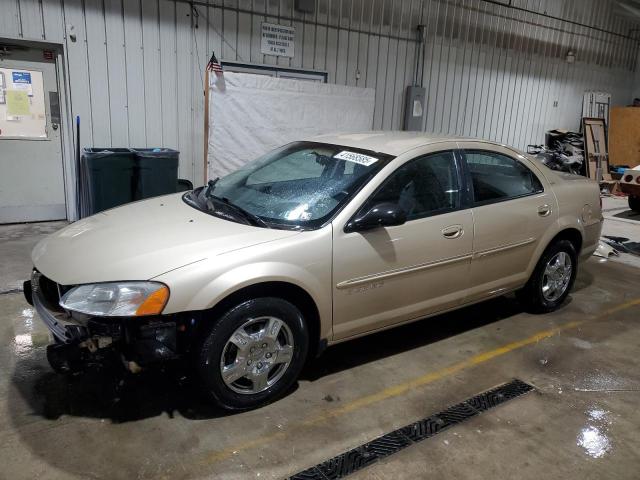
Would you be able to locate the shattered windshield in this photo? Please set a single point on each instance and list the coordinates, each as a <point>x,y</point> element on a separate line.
<point>300,185</point>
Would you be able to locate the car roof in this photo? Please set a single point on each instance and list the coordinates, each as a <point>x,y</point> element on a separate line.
<point>390,142</point>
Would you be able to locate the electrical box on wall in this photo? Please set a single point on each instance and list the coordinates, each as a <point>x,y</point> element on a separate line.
<point>414,108</point>
<point>305,6</point>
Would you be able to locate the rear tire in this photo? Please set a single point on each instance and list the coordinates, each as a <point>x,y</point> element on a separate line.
<point>634,203</point>
<point>552,279</point>
<point>253,353</point>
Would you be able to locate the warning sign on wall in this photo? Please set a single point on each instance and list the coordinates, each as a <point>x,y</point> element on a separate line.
<point>277,40</point>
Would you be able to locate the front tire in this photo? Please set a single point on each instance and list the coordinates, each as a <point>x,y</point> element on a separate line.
<point>253,353</point>
<point>634,203</point>
<point>552,279</point>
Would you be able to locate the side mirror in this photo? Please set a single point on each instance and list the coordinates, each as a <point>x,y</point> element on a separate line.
<point>380,215</point>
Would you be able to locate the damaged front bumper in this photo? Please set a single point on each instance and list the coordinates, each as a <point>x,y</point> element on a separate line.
<point>81,339</point>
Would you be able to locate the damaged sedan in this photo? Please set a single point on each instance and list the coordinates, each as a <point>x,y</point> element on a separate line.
<point>315,243</point>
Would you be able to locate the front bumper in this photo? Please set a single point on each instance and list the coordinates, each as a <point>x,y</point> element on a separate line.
<point>143,340</point>
<point>57,324</point>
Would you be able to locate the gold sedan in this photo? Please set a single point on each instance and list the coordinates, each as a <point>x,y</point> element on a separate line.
<point>315,243</point>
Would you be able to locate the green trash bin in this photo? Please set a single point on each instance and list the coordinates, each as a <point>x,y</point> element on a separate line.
<point>109,177</point>
<point>157,172</point>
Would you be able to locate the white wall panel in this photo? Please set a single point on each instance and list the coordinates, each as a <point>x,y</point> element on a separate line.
<point>77,63</point>
<point>185,100</point>
<point>199,60</point>
<point>52,21</point>
<point>116,75</point>
<point>135,72</point>
<point>98,72</point>
<point>169,74</point>
<point>153,93</point>
<point>31,19</point>
<point>10,24</point>
<point>135,67</point>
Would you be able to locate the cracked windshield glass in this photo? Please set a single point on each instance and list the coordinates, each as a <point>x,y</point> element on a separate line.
<point>299,185</point>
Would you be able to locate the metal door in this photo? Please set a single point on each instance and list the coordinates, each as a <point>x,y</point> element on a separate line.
<point>31,182</point>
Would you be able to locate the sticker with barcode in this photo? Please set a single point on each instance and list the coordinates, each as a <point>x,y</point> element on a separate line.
<point>358,158</point>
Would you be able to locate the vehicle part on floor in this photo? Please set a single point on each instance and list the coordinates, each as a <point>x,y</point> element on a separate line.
<point>623,244</point>
<point>604,250</point>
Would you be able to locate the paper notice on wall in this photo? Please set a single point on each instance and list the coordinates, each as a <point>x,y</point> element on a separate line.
<point>17,103</point>
<point>22,81</point>
<point>2,89</point>
<point>277,40</point>
<point>417,108</point>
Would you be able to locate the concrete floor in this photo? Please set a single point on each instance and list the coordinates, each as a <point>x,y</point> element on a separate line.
<point>16,243</point>
<point>580,422</point>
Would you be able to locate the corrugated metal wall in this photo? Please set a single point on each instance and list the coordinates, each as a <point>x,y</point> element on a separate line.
<point>490,71</point>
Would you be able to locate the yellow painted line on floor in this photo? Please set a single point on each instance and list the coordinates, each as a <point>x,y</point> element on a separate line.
<point>421,381</point>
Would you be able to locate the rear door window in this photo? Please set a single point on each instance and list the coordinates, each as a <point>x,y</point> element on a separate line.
<point>498,177</point>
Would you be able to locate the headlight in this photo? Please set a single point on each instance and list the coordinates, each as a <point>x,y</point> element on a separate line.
<point>121,299</point>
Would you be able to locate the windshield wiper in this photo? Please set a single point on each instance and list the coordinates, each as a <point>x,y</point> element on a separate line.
<point>210,185</point>
<point>252,217</point>
<point>255,219</point>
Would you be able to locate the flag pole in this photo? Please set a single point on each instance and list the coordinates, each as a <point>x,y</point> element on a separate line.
<point>206,126</point>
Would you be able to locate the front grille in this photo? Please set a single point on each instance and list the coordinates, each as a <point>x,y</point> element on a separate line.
<point>49,290</point>
<point>46,299</point>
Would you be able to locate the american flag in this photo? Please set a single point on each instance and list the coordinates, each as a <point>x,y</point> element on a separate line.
<point>214,66</point>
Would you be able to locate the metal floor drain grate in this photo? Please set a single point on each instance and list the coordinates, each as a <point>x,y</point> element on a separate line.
<point>349,462</point>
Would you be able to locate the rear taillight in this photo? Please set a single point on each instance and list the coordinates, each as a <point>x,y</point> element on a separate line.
<point>638,179</point>
<point>628,178</point>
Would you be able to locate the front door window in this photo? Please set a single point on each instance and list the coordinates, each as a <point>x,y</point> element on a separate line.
<point>422,187</point>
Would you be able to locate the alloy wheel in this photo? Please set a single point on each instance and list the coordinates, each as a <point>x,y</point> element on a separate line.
<point>257,355</point>
<point>556,276</point>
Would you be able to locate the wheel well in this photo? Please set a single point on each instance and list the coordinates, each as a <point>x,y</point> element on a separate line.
<point>571,234</point>
<point>286,291</point>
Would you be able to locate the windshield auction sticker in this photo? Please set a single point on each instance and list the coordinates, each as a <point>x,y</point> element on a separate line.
<point>356,158</point>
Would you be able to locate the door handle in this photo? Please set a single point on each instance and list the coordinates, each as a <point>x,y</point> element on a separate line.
<point>452,231</point>
<point>544,210</point>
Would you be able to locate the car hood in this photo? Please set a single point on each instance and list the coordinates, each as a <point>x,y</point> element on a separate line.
<point>142,240</point>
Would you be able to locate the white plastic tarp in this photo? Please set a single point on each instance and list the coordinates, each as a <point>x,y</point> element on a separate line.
<point>252,114</point>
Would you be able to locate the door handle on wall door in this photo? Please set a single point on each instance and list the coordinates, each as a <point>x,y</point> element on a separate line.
<point>544,210</point>
<point>452,231</point>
